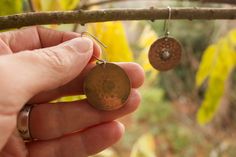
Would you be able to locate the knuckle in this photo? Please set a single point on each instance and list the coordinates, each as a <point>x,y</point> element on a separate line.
<point>57,60</point>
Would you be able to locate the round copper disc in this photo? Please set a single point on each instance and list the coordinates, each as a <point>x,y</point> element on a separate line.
<point>165,53</point>
<point>107,86</point>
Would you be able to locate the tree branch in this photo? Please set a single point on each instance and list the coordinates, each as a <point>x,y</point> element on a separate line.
<point>83,17</point>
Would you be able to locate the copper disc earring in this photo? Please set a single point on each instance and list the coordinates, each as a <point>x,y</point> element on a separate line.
<point>107,86</point>
<point>165,53</point>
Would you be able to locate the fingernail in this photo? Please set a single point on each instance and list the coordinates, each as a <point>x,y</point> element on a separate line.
<point>82,44</point>
<point>121,126</point>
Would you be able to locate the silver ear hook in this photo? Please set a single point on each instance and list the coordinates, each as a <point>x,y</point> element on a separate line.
<point>96,39</point>
<point>166,24</point>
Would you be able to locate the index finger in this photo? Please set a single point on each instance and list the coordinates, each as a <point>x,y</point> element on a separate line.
<point>35,37</point>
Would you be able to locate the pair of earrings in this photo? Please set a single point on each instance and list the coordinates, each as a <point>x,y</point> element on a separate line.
<point>165,53</point>
<point>107,86</point>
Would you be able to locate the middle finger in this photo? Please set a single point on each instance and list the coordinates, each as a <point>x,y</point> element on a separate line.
<point>75,87</point>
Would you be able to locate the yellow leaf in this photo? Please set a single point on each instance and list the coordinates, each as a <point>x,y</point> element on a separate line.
<point>69,98</point>
<point>8,7</point>
<point>37,5</point>
<point>52,5</point>
<point>69,4</point>
<point>144,147</point>
<point>113,35</point>
<point>107,153</point>
<point>147,37</point>
<point>232,36</point>
<point>211,101</point>
<point>45,5</point>
<point>232,40</point>
<point>207,64</point>
<point>224,63</point>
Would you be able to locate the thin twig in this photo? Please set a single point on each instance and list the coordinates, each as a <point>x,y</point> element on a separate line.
<point>31,6</point>
<point>92,16</point>
<point>75,27</point>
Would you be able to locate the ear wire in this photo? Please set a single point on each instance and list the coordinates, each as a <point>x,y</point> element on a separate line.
<point>166,24</point>
<point>100,43</point>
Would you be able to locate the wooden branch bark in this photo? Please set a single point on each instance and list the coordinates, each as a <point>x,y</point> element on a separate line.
<point>83,17</point>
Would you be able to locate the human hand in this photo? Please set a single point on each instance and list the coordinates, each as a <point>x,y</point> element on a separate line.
<point>38,65</point>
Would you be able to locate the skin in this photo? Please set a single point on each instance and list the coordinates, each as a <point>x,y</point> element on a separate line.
<point>38,65</point>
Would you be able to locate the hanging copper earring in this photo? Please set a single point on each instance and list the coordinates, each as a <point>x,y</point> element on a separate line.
<point>165,53</point>
<point>106,86</point>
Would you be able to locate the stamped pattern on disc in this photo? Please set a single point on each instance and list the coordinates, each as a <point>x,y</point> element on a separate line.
<point>165,53</point>
<point>107,86</point>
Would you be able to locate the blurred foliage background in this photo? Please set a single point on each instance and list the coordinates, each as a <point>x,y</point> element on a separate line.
<point>186,112</point>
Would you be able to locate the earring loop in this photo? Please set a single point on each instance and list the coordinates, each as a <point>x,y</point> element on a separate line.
<point>95,38</point>
<point>165,53</point>
<point>100,43</point>
<point>166,24</point>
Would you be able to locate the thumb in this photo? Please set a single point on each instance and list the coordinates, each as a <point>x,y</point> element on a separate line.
<point>27,73</point>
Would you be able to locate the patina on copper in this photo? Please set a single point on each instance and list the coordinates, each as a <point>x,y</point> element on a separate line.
<point>165,53</point>
<point>107,86</point>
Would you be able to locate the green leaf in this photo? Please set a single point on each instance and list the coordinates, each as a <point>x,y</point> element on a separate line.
<point>8,7</point>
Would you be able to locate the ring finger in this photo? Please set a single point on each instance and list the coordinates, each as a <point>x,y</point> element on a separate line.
<point>49,121</point>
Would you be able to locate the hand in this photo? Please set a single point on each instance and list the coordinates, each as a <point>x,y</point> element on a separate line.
<point>38,65</point>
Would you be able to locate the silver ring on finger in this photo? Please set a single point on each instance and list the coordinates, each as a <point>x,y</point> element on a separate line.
<point>23,121</point>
